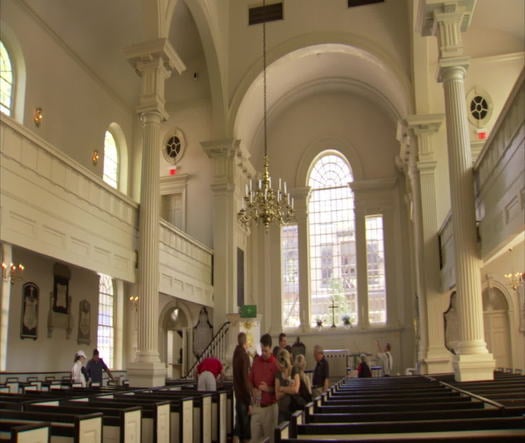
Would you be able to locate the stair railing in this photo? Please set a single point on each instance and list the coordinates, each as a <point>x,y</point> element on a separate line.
<point>217,347</point>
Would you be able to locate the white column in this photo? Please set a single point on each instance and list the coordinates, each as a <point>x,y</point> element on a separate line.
<point>5,298</point>
<point>301,196</point>
<point>154,62</point>
<point>472,361</point>
<point>225,156</point>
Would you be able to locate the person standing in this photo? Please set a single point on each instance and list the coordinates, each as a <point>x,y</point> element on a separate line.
<point>283,342</point>
<point>264,407</point>
<point>385,356</point>
<point>286,386</point>
<point>78,371</point>
<point>305,387</point>
<point>95,367</point>
<point>242,388</point>
<point>209,371</point>
<point>320,379</point>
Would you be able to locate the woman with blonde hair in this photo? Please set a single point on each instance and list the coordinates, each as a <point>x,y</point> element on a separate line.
<point>286,385</point>
<point>305,387</point>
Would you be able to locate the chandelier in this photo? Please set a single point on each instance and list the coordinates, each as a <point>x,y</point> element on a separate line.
<point>262,204</point>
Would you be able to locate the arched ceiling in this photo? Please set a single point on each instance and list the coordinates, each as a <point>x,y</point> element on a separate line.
<point>96,33</point>
<point>314,70</point>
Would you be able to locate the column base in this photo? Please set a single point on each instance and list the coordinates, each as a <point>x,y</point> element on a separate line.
<point>473,367</point>
<point>436,361</point>
<point>146,374</point>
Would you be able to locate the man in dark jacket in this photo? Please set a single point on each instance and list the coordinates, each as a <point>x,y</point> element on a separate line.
<point>241,388</point>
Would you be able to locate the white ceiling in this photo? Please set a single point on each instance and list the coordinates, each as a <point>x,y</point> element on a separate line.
<point>97,31</point>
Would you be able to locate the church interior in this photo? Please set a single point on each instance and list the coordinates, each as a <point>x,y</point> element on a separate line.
<point>140,142</point>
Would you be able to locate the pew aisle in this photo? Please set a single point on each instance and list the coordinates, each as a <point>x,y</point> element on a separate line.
<point>403,409</point>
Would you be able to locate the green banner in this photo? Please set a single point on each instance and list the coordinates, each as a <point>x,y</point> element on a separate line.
<point>248,311</point>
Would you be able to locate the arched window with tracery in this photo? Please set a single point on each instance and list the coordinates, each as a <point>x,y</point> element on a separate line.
<point>111,160</point>
<point>332,240</point>
<point>6,81</point>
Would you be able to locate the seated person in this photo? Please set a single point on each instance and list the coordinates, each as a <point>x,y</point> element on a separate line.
<point>363,370</point>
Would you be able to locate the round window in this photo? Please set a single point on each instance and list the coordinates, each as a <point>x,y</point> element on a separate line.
<point>174,147</point>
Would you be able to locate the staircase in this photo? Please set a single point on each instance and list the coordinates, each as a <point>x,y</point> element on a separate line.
<point>217,347</point>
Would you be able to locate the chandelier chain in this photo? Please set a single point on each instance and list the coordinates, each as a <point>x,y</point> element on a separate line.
<point>261,203</point>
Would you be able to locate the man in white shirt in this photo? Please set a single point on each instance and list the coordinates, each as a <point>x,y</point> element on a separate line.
<point>386,358</point>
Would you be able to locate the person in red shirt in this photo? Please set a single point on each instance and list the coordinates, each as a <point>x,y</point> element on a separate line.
<point>209,371</point>
<point>264,403</point>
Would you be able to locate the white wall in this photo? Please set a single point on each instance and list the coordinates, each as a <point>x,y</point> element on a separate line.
<point>45,353</point>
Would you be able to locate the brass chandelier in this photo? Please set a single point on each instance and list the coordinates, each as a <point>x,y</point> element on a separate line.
<point>261,203</point>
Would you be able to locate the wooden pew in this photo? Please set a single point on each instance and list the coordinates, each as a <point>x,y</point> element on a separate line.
<point>219,425</point>
<point>155,415</point>
<point>122,424</point>
<point>202,410</point>
<point>393,407</point>
<point>180,413</point>
<point>77,428</point>
<point>403,429</point>
<point>20,432</point>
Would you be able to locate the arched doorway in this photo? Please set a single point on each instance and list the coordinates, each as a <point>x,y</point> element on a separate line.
<point>497,328</point>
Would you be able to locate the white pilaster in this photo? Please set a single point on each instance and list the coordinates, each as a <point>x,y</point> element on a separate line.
<point>301,196</point>
<point>5,299</point>
<point>432,355</point>
<point>226,159</point>
<point>153,62</point>
<point>449,18</point>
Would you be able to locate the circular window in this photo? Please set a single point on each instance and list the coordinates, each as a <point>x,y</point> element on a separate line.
<point>480,108</point>
<point>174,147</point>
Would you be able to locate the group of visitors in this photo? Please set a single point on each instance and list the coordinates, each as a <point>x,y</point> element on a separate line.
<point>274,386</point>
<point>91,373</point>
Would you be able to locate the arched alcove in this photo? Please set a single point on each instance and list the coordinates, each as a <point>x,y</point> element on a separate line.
<point>497,327</point>
<point>173,339</point>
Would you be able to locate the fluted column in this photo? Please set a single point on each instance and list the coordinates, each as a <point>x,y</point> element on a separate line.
<point>148,269</point>
<point>301,196</point>
<point>472,361</point>
<point>153,61</point>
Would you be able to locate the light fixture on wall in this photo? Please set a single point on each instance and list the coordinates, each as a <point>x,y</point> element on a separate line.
<point>261,203</point>
<point>38,116</point>
<point>12,272</point>
<point>95,157</point>
<point>134,300</point>
<point>515,279</point>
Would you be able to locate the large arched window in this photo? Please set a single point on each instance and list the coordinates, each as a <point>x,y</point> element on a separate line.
<point>111,160</point>
<point>6,81</point>
<point>332,241</point>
